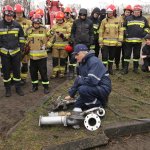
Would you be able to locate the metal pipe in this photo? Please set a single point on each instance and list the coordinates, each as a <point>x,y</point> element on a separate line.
<point>51,120</point>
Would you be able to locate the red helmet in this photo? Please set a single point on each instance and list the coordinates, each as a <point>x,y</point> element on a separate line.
<point>18,8</point>
<point>137,7</point>
<point>59,15</point>
<point>68,48</point>
<point>40,12</point>
<point>37,18</point>
<point>110,8</point>
<point>128,7</point>
<point>67,10</point>
<point>31,13</point>
<point>8,10</point>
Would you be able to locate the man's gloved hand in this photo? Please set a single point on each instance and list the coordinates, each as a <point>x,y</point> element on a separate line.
<point>27,49</point>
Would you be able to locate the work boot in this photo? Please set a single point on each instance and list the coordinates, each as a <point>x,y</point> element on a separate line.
<point>8,92</point>
<point>46,90</point>
<point>19,91</point>
<point>34,88</point>
<point>110,70</point>
<point>135,67</point>
<point>125,69</point>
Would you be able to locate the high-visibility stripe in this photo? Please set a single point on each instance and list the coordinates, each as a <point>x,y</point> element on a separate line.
<point>37,53</point>
<point>105,62</point>
<point>136,23</point>
<point>136,60</point>
<point>15,79</point>
<point>45,82</point>
<point>35,82</point>
<point>11,52</point>
<point>59,45</point>
<point>7,80</point>
<point>37,35</point>
<point>147,30</point>
<point>74,65</point>
<point>127,60</point>
<point>111,61</point>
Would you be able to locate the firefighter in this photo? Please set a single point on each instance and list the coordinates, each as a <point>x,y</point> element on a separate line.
<point>37,38</point>
<point>136,27</point>
<point>59,35</point>
<point>96,25</point>
<point>82,30</point>
<point>93,82</point>
<point>146,54</point>
<point>25,23</point>
<point>11,43</point>
<point>31,13</point>
<point>110,37</point>
<point>127,12</point>
<point>67,12</point>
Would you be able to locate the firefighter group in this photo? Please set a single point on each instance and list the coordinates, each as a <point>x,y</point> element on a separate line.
<point>24,42</point>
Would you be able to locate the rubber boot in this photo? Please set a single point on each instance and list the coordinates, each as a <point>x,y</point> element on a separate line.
<point>34,87</point>
<point>110,70</point>
<point>8,92</point>
<point>62,72</point>
<point>135,67</point>
<point>125,69</point>
<point>19,91</point>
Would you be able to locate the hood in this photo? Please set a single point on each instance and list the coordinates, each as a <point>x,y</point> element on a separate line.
<point>95,10</point>
<point>83,11</point>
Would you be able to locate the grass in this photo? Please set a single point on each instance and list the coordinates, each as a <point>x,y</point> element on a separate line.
<point>29,136</point>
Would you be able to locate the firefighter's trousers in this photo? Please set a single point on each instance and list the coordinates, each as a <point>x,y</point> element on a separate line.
<point>108,54</point>
<point>41,66</point>
<point>59,59</point>
<point>136,48</point>
<point>11,64</point>
<point>117,55</point>
<point>24,67</point>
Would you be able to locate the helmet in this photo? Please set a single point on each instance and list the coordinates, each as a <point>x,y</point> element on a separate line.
<point>8,10</point>
<point>31,13</point>
<point>37,18</point>
<point>18,8</point>
<point>128,7</point>
<point>40,12</point>
<point>67,10</point>
<point>110,8</point>
<point>68,48</point>
<point>59,15</point>
<point>137,7</point>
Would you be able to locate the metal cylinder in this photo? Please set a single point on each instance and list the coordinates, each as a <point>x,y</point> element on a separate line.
<point>51,120</point>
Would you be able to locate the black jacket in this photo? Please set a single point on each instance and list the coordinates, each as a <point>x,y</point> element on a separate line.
<point>146,50</point>
<point>96,23</point>
<point>11,35</point>
<point>82,32</point>
<point>135,27</point>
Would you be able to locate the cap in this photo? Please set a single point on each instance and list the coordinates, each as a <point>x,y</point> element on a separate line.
<point>80,47</point>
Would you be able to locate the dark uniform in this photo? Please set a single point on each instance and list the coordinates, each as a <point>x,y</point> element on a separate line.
<point>11,43</point>
<point>93,83</point>
<point>96,26</point>
<point>135,30</point>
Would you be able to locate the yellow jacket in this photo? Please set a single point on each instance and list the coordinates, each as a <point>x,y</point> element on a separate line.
<point>111,32</point>
<point>37,40</point>
<point>57,40</point>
